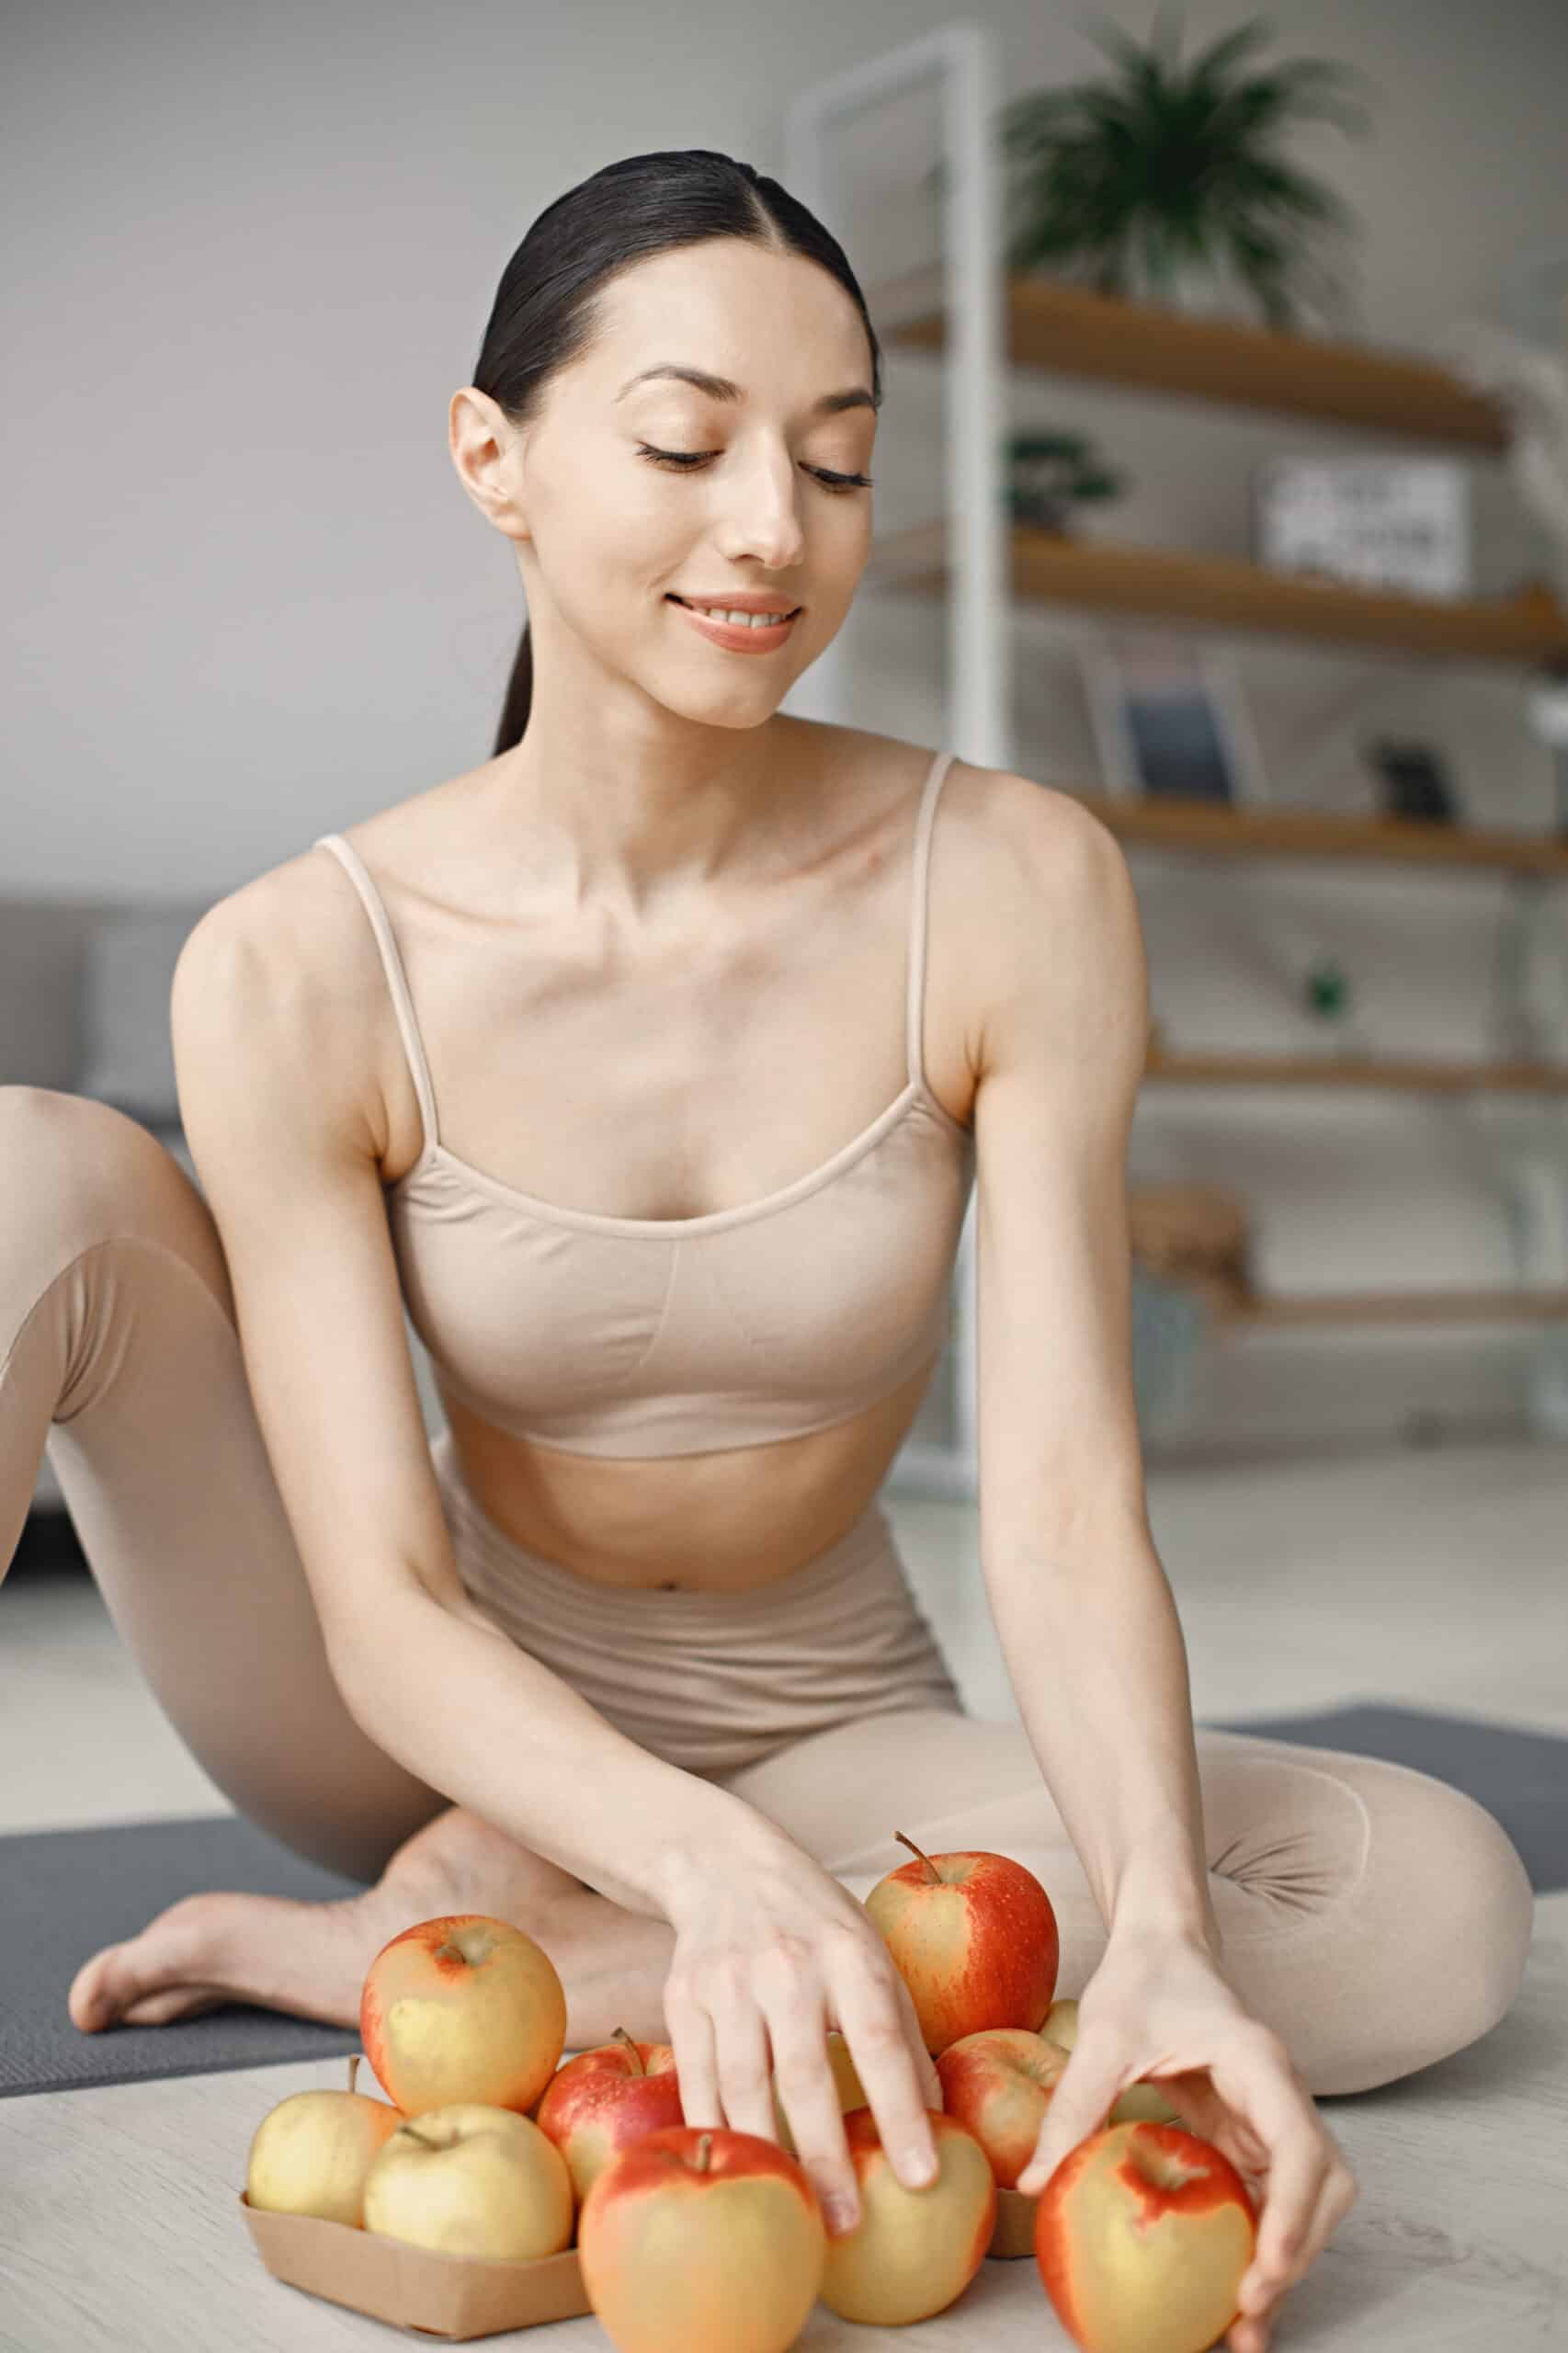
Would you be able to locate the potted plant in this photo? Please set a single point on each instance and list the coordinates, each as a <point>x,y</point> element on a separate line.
<point>1048,471</point>
<point>1161,182</point>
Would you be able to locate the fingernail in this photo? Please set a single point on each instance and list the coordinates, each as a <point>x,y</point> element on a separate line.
<point>919,2169</point>
<point>840,2216</point>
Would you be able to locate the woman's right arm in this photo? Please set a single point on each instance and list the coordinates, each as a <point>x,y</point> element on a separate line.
<point>275,989</point>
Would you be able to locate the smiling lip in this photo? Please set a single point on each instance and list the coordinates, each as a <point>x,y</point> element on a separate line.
<point>739,637</point>
<point>741,602</point>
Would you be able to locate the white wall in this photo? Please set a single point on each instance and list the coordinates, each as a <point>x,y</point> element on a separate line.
<point>248,599</point>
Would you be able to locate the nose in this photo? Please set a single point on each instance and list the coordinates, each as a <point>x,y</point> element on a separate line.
<point>762,513</point>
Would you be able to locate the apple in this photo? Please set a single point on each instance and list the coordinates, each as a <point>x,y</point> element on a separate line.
<point>1142,2102</point>
<point>845,2082</point>
<point>702,2240</point>
<point>462,2008</point>
<point>606,2098</point>
<point>1144,2235</point>
<point>471,2179</point>
<point>998,2082</point>
<point>310,2154</point>
<point>974,1937</point>
<point>1061,2024</point>
<point>913,2251</point>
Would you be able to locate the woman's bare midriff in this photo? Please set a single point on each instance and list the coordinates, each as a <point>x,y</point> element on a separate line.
<point>739,1517</point>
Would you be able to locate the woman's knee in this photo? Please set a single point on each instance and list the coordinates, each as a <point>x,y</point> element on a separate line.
<point>77,1172</point>
<point>1437,1953</point>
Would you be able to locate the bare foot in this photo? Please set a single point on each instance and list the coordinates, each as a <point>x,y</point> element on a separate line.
<point>310,1959</point>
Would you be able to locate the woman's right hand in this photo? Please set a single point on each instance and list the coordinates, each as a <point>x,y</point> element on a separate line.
<point>771,1951</point>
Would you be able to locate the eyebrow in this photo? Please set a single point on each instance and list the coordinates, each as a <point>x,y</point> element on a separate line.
<point>719,387</point>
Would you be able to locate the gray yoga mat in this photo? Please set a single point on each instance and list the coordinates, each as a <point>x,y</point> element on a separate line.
<point>66,1893</point>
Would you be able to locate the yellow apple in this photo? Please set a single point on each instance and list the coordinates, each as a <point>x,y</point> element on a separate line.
<point>462,2008</point>
<point>310,2154</point>
<point>470,2180</point>
<point>1142,2235</point>
<point>913,2251</point>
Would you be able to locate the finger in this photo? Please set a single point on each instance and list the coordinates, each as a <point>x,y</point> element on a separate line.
<point>690,2032</point>
<point>925,2065</point>
<point>739,2038</point>
<point>1267,2094</point>
<point>809,2097</point>
<point>1085,2093</point>
<point>877,2028</point>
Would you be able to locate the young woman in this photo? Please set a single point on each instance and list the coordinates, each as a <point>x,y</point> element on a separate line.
<point>652,1063</point>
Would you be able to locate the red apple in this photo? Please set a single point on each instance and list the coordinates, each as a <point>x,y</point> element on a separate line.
<point>606,2098</point>
<point>702,2240</point>
<point>913,2251</point>
<point>999,2084</point>
<point>974,1937</point>
<point>1144,2235</point>
<point>462,2008</point>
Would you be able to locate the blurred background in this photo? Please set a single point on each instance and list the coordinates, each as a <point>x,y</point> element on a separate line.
<point>1222,481</point>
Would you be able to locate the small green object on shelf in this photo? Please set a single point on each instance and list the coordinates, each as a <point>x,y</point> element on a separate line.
<point>1328,990</point>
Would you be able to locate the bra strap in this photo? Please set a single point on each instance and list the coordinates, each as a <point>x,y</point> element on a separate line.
<point>919,896</point>
<point>402,1003</point>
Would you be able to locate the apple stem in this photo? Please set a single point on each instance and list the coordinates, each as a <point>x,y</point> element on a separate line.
<point>353,2066</point>
<point>621,2035</point>
<point>936,1874</point>
<point>703,2147</point>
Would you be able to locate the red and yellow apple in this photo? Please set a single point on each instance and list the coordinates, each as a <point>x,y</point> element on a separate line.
<point>913,2251</point>
<point>998,2082</point>
<point>1144,2235</point>
<point>702,2240</point>
<point>845,2082</point>
<point>310,2154</point>
<point>471,2179</point>
<point>606,2098</point>
<point>974,1937</point>
<point>462,2008</point>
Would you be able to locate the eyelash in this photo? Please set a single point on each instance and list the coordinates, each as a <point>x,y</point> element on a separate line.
<point>688,461</point>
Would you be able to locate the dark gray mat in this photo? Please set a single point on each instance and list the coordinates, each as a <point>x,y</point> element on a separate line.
<point>66,1893</point>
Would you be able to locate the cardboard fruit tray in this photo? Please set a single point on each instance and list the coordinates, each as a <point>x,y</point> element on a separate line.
<point>457,2296</point>
<point>435,2295</point>
<point>1014,2234</point>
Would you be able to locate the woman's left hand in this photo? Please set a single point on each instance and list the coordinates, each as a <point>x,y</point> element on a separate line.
<point>1158,2005</point>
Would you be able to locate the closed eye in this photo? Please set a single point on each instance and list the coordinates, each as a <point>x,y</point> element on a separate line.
<point>688,461</point>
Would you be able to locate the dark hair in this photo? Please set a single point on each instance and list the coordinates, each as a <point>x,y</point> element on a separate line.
<point>546,314</point>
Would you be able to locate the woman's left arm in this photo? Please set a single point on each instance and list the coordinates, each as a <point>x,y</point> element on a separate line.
<point>1083,1609</point>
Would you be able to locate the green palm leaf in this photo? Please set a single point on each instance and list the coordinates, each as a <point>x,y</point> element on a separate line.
<point>1161,169</point>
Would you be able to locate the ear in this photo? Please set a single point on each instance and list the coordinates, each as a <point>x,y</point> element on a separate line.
<point>486,451</point>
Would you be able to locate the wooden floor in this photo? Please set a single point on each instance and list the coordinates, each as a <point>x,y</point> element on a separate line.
<point>1435,1578</point>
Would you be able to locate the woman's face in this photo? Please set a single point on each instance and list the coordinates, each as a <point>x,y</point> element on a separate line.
<point>607,535</point>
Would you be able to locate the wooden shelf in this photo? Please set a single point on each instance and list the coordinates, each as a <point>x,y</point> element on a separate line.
<point>1397,1307</point>
<point>1211,826</point>
<point>1072,331</point>
<point>1226,591</point>
<point>1351,1069</point>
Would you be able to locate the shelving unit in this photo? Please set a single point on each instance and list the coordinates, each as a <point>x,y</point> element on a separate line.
<point>983,321</point>
<point>1226,592</point>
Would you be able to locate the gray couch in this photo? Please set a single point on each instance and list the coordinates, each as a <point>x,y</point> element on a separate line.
<point>85,1007</point>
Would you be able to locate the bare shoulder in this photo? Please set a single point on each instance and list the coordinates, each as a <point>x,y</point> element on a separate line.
<point>1033,888</point>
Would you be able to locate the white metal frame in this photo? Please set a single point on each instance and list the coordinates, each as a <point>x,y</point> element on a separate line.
<point>965,58</point>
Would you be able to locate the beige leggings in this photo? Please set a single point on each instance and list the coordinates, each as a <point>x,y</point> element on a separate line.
<point>1374,1917</point>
